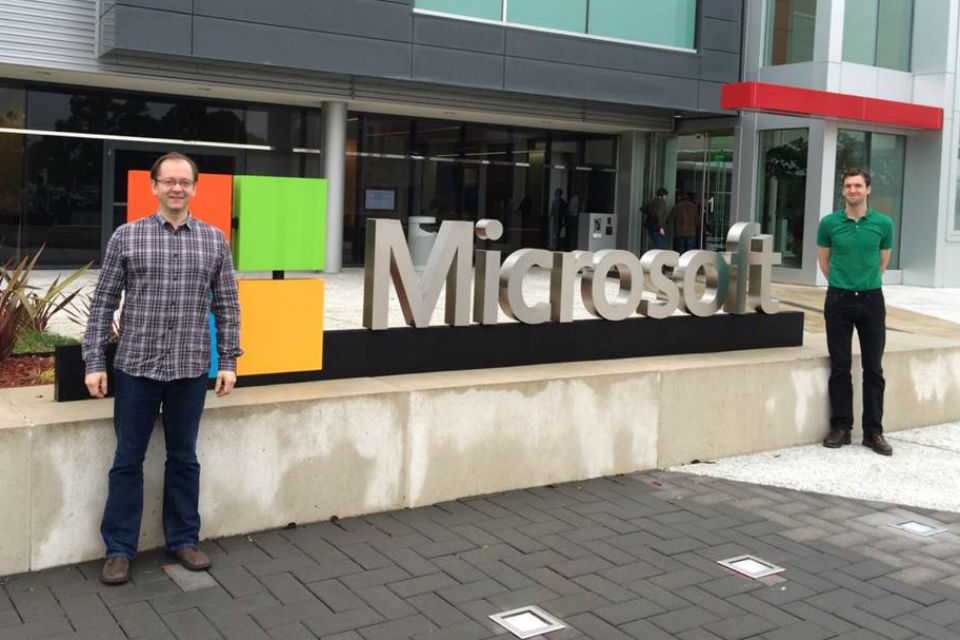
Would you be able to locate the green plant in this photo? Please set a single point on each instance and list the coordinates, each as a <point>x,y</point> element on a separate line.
<point>13,310</point>
<point>79,314</point>
<point>40,308</point>
<point>33,341</point>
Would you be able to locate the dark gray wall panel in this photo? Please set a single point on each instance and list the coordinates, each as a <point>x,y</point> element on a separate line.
<point>709,99</point>
<point>458,34</point>
<point>723,9</point>
<point>182,6</point>
<point>596,53</point>
<point>368,18</point>
<point>720,67</point>
<point>606,85</point>
<point>129,29</point>
<point>720,35</point>
<point>462,68</point>
<point>280,46</point>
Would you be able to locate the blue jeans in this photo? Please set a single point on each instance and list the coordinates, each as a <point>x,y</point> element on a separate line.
<point>659,240</point>
<point>136,406</point>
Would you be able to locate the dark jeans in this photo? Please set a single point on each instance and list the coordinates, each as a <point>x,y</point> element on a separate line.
<point>136,406</point>
<point>659,240</point>
<point>686,243</point>
<point>843,311</point>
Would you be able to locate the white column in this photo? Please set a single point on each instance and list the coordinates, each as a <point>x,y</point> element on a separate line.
<point>334,147</point>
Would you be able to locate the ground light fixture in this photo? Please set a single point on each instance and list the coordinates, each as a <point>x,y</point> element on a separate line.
<point>528,621</point>
<point>918,528</point>
<point>751,566</point>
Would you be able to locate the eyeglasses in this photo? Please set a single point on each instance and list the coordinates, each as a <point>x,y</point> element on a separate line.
<point>170,183</point>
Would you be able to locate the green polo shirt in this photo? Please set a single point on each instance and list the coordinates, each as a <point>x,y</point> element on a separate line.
<point>855,247</point>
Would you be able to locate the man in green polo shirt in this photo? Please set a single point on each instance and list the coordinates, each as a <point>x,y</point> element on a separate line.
<point>855,247</point>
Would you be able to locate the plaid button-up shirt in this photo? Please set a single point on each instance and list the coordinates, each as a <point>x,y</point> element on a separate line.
<point>168,276</point>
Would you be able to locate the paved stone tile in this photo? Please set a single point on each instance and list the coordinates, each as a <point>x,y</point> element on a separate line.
<point>621,557</point>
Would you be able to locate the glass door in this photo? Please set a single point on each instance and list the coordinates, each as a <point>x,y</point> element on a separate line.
<point>704,175</point>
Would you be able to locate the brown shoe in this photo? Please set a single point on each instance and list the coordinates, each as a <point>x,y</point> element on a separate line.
<point>836,438</point>
<point>115,570</point>
<point>877,442</point>
<point>191,558</point>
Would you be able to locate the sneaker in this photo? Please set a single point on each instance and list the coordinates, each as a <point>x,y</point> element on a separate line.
<point>836,438</point>
<point>878,443</point>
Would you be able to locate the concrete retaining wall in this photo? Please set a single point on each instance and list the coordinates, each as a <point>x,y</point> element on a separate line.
<point>305,452</point>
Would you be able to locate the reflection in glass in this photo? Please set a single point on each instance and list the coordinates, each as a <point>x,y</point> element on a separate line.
<point>789,31</point>
<point>956,201</point>
<point>11,107</point>
<point>456,171</point>
<point>878,33</point>
<point>487,9</point>
<point>565,15</point>
<point>782,197</point>
<point>62,199</point>
<point>882,155</point>
<point>11,191</point>
<point>670,23</point>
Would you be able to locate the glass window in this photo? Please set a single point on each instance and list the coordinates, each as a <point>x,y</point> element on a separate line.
<point>62,199</point>
<point>894,29</point>
<point>565,15</point>
<point>882,155</point>
<point>11,194</point>
<point>11,107</point>
<point>789,31</point>
<point>782,197</point>
<point>487,9</point>
<point>671,23</point>
<point>956,202</point>
<point>878,33</point>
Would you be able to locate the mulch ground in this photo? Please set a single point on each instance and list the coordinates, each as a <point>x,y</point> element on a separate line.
<point>24,371</point>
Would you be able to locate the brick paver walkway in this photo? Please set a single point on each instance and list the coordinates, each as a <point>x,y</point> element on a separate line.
<point>622,557</point>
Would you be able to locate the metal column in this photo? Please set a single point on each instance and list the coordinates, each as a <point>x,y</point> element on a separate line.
<point>334,160</point>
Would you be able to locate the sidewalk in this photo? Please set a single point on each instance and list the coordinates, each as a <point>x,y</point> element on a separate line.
<point>614,558</point>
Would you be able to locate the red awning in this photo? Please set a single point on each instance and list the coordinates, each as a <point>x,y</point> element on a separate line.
<point>761,96</point>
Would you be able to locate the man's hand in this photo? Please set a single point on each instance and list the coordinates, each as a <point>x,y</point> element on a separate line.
<point>226,380</point>
<point>96,384</point>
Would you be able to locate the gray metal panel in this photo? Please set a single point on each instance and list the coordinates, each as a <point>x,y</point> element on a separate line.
<point>131,26</point>
<point>182,6</point>
<point>608,85</point>
<point>709,98</point>
<point>719,35</point>
<point>47,32</point>
<point>458,34</point>
<point>719,66</point>
<point>367,18</point>
<point>299,49</point>
<point>723,9</point>
<point>597,53</point>
<point>462,68</point>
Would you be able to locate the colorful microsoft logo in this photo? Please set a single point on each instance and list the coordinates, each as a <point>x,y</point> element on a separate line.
<point>273,224</point>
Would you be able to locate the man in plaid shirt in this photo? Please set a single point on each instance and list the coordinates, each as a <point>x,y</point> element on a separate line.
<point>173,270</point>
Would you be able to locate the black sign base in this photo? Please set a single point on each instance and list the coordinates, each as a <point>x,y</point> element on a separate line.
<point>362,353</point>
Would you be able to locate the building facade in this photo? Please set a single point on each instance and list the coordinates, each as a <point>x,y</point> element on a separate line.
<point>903,52</point>
<point>529,111</point>
<point>518,110</point>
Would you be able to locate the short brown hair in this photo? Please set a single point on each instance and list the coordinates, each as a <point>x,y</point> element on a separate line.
<point>172,155</point>
<point>850,173</point>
